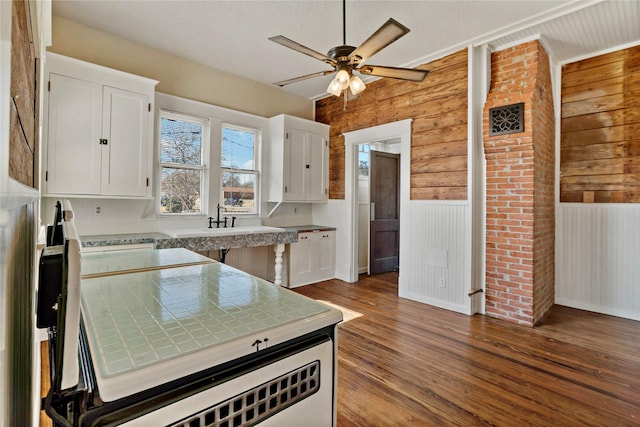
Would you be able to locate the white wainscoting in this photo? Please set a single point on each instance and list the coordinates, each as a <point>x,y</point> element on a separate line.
<point>598,258</point>
<point>434,255</point>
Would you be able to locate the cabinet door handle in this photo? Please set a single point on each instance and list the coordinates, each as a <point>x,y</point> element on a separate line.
<point>303,238</point>
<point>373,212</point>
<point>307,166</point>
<point>103,141</point>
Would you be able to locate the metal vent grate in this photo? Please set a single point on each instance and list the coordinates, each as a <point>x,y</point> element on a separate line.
<point>260,402</point>
<point>507,119</point>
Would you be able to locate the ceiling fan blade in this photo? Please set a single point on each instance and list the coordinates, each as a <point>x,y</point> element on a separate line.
<point>308,76</point>
<point>282,40</point>
<point>411,74</point>
<point>390,31</point>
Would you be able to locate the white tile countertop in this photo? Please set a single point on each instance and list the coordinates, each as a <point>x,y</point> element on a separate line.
<point>122,262</point>
<point>146,328</point>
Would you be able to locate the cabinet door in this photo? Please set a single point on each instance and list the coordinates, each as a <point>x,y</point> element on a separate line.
<point>326,255</point>
<point>296,165</point>
<point>301,260</point>
<point>318,168</point>
<point>73,136</point>
<point>125,127</point>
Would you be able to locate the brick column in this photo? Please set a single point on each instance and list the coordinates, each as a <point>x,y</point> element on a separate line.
<point>520,187</point>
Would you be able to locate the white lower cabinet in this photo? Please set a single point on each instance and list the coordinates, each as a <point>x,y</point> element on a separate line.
<point>312,258</point>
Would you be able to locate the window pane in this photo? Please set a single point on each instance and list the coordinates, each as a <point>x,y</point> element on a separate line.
<point>363,160</point>
<point>238,190</point>
<point>237,149</point>
<point>180,142</point>
<point>180,190</point>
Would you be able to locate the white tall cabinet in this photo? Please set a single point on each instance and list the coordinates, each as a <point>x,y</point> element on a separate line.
<point>299,167</point>
<point>98,129</point>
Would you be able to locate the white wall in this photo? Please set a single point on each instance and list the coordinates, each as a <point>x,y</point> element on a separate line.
<point>363,224</point>
<point>434,266</point>
<point>177,76</point>
<point>598,258</point>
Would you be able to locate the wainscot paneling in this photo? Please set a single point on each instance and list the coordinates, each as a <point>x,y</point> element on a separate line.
<point>597,253</point>
<point>434,268</point>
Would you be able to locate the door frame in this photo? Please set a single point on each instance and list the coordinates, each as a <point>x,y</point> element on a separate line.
<point>394,130</point>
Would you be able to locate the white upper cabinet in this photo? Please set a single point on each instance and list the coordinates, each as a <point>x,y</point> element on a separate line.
<point>299,167</point>
<point>75,117</point>
<point>99,131</point>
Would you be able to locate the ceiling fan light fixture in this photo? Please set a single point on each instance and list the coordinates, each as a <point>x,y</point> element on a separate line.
<point>356,85</point>
<point>339,83</point>
<point>343,78</point>
<point>335,88</point>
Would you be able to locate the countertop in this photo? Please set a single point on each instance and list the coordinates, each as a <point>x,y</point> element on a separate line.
<point>307,228</point>
<point>122,262</point>
<point>148,328</point>
<point>202,243</point>
<point>121,239</point>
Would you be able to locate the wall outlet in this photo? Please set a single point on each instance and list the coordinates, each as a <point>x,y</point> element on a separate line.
<point>98,210</point>
<point>443,282</point>
<point>295,210</point>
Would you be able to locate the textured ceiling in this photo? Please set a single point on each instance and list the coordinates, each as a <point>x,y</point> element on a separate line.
<point>233,35</point>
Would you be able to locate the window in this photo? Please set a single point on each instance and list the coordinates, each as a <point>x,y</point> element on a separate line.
<point>238,169</point>
<point>363,160</point>
<point>183,143</point>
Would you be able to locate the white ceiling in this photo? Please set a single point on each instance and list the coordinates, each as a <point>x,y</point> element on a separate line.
<point>233,35</point>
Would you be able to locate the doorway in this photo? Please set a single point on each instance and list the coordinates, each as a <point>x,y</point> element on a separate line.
<point>400,133</point>
<point>378,206</point>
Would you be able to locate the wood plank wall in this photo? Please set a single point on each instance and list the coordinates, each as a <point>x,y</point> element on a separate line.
<point>438,107</point>
<point>600,136</point>
<point>22,135</point>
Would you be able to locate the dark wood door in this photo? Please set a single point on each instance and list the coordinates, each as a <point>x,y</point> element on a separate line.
<point>384,182</point>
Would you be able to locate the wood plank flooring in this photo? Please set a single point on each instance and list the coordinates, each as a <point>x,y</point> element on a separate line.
<point>409,364</point>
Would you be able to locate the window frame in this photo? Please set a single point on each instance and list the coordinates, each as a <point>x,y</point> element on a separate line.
<point>205,142</point>
<point>257,144</point>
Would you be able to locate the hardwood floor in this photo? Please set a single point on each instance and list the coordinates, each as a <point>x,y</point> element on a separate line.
<point>409,364</point>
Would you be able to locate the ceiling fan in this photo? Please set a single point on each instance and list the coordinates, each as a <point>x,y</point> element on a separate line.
<point>346,59</point>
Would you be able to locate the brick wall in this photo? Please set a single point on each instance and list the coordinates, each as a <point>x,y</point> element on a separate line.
<point>520,186</point>
<point>544,187</point>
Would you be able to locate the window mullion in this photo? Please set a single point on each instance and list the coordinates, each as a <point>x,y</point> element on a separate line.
<point>182,166</point>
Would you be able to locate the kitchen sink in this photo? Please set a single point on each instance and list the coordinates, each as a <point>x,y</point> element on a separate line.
<point>210,232</point>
